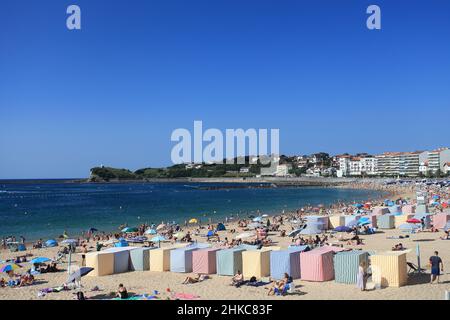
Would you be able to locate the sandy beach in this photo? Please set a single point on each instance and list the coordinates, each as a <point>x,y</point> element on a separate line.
<point>217,287</point>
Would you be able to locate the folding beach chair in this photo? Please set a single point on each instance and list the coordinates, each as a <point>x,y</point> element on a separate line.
<point>413,269</point>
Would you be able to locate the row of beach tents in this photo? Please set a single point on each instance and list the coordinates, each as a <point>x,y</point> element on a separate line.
<point>321,264</point>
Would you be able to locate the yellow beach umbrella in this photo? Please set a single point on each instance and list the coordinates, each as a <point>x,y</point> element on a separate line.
<point>193,220</point>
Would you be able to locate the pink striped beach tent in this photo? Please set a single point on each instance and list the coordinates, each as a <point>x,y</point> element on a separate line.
<point>204,261</point>
<point>317,264</point>
<point>440,219</point>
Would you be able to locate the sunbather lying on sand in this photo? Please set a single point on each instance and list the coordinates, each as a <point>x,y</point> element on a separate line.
<point>198,278</point>
<point>26,280</point>
<point>398,247</point>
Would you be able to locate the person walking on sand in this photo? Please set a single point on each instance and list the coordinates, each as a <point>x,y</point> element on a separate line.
<point>361,278</point>
<point>84,250</point>
<point>436,262</point>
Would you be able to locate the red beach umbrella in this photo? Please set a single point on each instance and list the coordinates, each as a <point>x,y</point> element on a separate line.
<point>413,220</point>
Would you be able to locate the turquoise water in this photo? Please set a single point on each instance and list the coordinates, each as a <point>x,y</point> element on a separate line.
<point>46,210</point>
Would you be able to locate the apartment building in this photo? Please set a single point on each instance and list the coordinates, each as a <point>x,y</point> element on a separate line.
<point>401,163</point>
<point>437,159</point>
<point>357,166</point>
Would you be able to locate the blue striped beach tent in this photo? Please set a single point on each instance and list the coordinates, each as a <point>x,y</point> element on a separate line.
<point>346,264</point>
<point>229,261</point>
<point>286,261</point>
<point>181,258</point>
<point>386,221</point>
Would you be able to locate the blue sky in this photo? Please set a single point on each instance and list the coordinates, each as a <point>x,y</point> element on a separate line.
<point>113,92</point>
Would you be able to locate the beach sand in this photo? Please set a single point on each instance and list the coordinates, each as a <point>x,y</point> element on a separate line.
<point>218,286</point>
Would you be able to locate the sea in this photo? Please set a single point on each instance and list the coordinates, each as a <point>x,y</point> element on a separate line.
<point>45,210</point>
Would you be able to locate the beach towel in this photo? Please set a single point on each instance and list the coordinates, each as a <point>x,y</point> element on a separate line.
<point>257,284</point>
<point>184,296</point>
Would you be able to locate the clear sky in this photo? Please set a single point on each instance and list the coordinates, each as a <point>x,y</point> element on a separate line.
<point>113,92</point>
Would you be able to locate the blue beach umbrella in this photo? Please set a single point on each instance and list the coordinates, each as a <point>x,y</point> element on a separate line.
<point>363,221</point>
<point>69,241</point>
<point>151,231</point>
<point>129,230</point>
<point>210,233</point>
<point>358,205</point>
<point>51,243</point>
<point>40,260</point>
<point>91,230</point>
<point>342,229</point>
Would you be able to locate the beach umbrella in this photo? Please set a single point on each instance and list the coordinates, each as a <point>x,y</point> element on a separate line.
<point>363,221</point>
<point>150,231</point>
<point>210,233</point>
<point>257,219</point>
<point>129,230</point>
<point>435,196</point>
<point>245,235</point>
<point>158,238</point>
<point>352,223</point>
<point>293,233</point>
<point>91,230</point>
<point>160,227</point>
<point>51,243</point>
<point>10,267</point>
<point>79,273</point>
<point>193,220</point>
<point>265,215</point>
<point>413,220</point>
<point>179,235</point>
<point>40,260</point>
<point>69,241</point>
<point>342,229</point>
<point>358,205</point>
